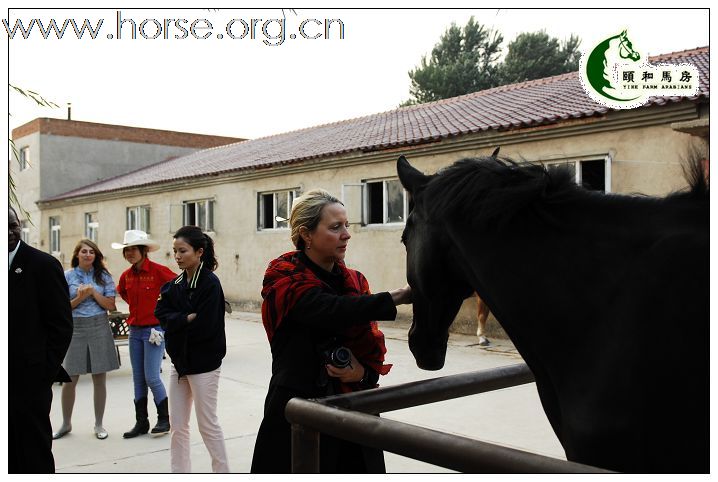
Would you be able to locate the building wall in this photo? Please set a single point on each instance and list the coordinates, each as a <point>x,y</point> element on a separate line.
<point>60,164</point>
<point>644,160</point>
<point>27,184</point>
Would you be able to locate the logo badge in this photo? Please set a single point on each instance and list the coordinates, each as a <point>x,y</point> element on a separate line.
<point>614,73</point>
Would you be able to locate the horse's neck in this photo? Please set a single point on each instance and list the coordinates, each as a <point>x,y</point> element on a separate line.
<point>612,53</point>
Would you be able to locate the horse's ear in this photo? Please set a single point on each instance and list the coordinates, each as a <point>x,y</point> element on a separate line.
<point>410,177</point>
<point>496,152</point>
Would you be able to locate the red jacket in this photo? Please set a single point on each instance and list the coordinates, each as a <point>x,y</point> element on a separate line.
<point>140,291</point>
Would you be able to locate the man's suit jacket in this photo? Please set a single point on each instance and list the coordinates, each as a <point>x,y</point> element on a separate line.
<point>40,317</point>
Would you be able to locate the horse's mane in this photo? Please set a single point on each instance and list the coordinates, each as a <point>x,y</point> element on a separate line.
<point>487,189</point>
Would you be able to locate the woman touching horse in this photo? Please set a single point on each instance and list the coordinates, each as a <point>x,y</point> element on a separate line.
<point>318,317</point>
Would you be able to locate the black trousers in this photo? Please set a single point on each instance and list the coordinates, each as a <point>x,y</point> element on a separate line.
<point>29,428</point>
<point>273,448</point>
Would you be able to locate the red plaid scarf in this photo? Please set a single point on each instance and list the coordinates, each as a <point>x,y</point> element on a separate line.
<point>287,279</point>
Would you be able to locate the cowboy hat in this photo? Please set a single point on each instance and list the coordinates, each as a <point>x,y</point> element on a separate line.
<point>135,237</point>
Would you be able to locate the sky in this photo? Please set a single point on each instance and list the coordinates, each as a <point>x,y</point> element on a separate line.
<point>244,88</point>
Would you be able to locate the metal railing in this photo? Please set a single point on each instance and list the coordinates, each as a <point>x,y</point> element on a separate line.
<point>354,417</point>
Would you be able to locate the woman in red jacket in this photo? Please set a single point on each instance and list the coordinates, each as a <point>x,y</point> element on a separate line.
<point>319,318</point>
<point>140,286</point>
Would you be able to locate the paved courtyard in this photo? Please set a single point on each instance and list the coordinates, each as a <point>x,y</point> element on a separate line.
<point>511,417</point>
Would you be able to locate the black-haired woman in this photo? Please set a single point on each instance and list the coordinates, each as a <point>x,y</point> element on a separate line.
<point>191,311</point>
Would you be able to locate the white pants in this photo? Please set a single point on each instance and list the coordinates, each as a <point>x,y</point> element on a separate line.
<point>202,389</point>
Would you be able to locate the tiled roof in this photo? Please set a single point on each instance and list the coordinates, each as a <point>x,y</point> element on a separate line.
<point>536,102</point>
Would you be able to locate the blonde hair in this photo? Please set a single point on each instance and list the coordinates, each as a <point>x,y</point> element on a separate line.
<point>307,212</point>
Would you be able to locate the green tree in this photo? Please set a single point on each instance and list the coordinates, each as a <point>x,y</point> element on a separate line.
<point>463,61</point>
<point>535,55</point>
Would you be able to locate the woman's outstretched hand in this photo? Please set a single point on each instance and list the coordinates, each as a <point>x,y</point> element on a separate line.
<point>401,296</point>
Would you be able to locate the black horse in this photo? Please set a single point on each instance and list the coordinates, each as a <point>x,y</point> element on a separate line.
<point>605,296</point>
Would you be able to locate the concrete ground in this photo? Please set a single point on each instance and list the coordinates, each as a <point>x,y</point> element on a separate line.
<point>511,417</point>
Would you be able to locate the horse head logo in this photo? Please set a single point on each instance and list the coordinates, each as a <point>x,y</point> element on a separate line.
<point>600,63</point>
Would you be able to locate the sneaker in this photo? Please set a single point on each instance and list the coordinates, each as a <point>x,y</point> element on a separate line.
<point>483,341</point>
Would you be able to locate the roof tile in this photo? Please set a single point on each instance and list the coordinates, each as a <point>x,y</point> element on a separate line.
<point>537,102</point>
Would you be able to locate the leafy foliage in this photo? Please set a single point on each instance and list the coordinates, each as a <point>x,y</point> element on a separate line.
<point>465,60</point>
<point>535,55</point>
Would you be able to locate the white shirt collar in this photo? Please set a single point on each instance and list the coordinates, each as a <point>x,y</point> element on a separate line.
<point>12,254</point>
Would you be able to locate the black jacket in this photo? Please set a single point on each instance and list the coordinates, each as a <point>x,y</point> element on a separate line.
<point>39,315</point>
<point>320,315</point>
<point>319,320</point>
<point>198,346</point>
<point>39,330</point>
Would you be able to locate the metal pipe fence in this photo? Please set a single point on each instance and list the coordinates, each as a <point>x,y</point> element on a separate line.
<point>354,417</point>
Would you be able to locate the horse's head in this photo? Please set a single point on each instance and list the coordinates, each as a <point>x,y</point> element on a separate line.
<point>434,274</point>
<point>626,47</point>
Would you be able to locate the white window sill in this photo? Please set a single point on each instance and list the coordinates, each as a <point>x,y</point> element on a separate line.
<point>382,227</point>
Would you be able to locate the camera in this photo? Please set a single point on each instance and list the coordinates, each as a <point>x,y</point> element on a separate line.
<point>340,357</point>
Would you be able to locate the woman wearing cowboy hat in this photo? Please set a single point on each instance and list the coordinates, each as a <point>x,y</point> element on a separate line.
<point>140,286</point>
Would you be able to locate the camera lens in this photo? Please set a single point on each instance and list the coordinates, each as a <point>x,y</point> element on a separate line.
<point>341,357</point>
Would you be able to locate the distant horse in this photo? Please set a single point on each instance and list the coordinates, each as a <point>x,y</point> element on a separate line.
<point>600,64</point>
<point>606,297</point>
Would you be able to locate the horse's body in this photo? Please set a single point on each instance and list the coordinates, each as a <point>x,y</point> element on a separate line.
<point>606,297</point>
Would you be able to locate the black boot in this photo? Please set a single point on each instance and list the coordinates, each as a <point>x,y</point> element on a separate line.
<point>163,419</point>
<point>142,425</point>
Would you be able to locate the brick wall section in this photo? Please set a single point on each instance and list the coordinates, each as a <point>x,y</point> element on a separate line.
<point>92,130</point>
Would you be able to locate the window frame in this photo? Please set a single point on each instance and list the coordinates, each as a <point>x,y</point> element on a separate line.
<point>385,204</point>
<point>578,168</point>
<point>55,234</point>
<point>141,223</point>
<point>91,227</point>
<point>292,194</point>
<point>24,159</point>
<point>209,205</point>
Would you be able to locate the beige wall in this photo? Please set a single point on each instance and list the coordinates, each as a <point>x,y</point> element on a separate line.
<point>643,160</point>
<point>61,163</point>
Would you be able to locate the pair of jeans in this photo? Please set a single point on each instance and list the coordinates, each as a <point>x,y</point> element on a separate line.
<point>146,359</point>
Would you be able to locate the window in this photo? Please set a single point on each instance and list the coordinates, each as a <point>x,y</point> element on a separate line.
<point>274,208</point>
<point>55,234</point>
<point>593,174</point>
<point>199,213</point>
<point>91,225</point>
<point>384,202</point>
<point>138,217</point>
<point>24,158</point>
<point>25,233</point>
